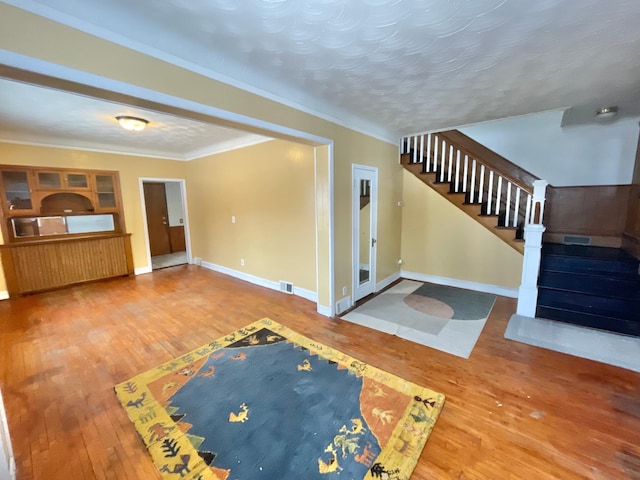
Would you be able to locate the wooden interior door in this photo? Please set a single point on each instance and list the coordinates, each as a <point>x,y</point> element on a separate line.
<point>155,200</point>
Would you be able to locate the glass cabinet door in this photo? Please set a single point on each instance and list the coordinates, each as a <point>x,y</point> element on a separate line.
<point>17,191</point>
<point>106,191</point>
<point>77,180</point>
<point>49,180</point>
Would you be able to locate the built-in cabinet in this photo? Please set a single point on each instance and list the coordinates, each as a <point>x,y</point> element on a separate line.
<point>61,226</point>
<point>49,202</point>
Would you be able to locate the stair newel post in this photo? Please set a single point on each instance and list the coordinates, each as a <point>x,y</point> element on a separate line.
<point>533,230</point>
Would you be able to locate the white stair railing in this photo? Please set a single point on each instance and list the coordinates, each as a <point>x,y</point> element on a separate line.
<point>500,196</point>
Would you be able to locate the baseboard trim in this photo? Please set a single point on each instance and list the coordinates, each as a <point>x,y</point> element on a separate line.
<point>382,284</point>
<point>142,270</point>
<point>454,282</point>
<point>4,295</point>
<point>263,282</point>
<point>304,293</point>
<point>324,311</point>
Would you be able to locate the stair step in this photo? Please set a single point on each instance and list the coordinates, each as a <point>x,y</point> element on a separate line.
<point>585,251</point>
<point>597,287</point>
<point>615,307</point>
<point>593,319</point>
<point>586,259</point>
<point>594,260</point>
<point>603,285</point>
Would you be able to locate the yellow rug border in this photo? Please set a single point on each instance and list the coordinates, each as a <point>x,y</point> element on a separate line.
<point>145,411</point>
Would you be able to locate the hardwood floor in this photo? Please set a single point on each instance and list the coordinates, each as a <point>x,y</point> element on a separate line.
<point>512,412</point>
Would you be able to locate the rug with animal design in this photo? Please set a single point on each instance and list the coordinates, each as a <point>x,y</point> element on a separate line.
<point>265,402</point>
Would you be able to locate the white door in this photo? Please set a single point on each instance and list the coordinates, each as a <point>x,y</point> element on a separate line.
<point>365,209</point>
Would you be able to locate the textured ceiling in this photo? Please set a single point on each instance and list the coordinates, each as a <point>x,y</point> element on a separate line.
<point>390,67</point>
<point>39,115</point>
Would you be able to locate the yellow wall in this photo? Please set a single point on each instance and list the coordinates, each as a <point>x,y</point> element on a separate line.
<point>129,167</point>
<point>439,239</point>
<point>269,188</point>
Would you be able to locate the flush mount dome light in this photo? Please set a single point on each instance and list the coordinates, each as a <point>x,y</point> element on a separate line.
<point>606,113</point>
<point>132,123</point>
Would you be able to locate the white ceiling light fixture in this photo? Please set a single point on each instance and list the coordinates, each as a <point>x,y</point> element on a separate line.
<point>607,113</point>
<point>132,123</point>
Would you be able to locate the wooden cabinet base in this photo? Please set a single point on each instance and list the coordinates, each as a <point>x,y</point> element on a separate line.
<point>49,264</point>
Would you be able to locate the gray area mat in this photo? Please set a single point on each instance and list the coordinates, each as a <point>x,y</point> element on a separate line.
<point>389,313</point>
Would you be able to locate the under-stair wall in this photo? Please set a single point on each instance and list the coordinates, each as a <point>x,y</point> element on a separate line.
<point>442,244</point>
<point>491,189</point>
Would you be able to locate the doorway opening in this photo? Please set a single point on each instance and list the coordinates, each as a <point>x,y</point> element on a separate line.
<point>40,73</point>
<point>165,216</point>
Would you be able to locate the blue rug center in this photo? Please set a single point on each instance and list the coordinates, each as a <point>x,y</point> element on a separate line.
<point>273,411</point>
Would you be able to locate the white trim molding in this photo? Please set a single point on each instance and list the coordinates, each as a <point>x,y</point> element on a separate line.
<point>142,270</point>
<point>263,282</point>
<point>385,282</point>
<point>4,295</point>
<point>324,311</point>
<point>454,282</point>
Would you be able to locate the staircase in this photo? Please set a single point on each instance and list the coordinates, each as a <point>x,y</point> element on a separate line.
<point>486,186</point>
<point>596,287</point>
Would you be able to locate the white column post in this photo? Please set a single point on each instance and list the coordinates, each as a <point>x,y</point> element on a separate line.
<point>528,291</point>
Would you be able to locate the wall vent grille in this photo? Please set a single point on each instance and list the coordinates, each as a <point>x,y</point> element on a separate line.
<point>286,287</point>
<point>576,240</point>
<point>343,305</point>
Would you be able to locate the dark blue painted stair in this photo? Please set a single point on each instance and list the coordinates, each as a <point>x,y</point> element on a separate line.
<point>596,287</point>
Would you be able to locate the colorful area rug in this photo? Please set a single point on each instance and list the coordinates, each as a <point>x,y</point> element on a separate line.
<point>267,403</point>
<point>446,318</point>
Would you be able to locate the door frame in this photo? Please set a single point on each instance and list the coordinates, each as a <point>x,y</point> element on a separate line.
<point>358,291</point>
<point>187,235</point>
